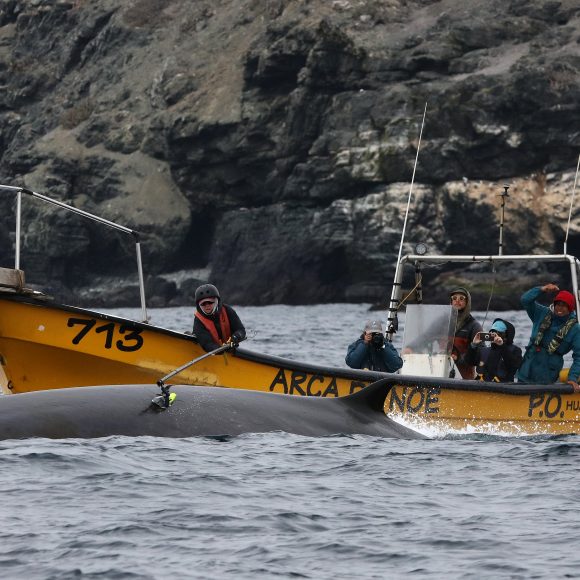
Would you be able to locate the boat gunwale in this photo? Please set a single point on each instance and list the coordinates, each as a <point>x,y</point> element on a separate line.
<point>266,359</point>
<point>521,389</point>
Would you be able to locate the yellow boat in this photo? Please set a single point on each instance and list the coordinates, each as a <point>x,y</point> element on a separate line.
<point>45,345</point>
<point>433,402</point>
<point>443,406</point>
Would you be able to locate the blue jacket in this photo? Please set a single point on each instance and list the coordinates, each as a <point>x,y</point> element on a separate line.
<point>539,366</point>
<point>361,355</point>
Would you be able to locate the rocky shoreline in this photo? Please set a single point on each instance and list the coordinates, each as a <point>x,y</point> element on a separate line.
<point>270,145</point>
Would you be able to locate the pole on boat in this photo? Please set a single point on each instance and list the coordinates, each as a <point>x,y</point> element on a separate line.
<point>503,196</point>
<point>144,317</point>
<point>418,283</point>
<point>165,399</point>
<point>571,206</point>
<point>392,323</point>
<point>222,348</point>
<point>20,190</point>
<point>18,230</point>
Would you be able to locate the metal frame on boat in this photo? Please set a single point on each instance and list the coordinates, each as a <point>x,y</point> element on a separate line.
<point>46,345</point>
<point>446,405</point>
<point>22,190</point>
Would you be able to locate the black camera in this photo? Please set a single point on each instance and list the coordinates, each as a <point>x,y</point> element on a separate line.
<point>485,336</point>
<point>378,340</point>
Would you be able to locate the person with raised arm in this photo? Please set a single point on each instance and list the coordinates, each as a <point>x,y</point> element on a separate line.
<point>555,332</point>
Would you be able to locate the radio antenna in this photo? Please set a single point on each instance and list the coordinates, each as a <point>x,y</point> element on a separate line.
<point>571,206</point>
<point>503,196</point>
<point>396,291</point>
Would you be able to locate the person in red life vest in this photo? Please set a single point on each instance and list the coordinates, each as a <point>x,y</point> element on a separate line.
<point>465,330</point>
<point>215,323</point>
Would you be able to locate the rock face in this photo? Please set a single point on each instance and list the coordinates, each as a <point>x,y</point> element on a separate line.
<point>269,146</point>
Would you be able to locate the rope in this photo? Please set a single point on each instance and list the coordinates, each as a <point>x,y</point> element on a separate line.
<point>410,292</point>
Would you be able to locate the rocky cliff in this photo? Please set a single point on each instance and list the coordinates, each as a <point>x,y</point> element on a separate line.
<point>268,145</point>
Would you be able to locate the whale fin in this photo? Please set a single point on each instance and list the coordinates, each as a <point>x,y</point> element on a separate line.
<point>372,396</point>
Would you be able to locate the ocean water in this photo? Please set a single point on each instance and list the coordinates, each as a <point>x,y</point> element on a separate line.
<point>284,506</point>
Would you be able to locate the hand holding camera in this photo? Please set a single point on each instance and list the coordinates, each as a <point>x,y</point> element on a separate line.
<point>374,339</point>
<point>488,337</point>
<point>378,340</point>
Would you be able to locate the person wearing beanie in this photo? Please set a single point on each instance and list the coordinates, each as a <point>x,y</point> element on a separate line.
<point>555,332</point>
<point>215,323</point>
<point>499,360</point>
<point>371,351</point>
<point>465,330</point>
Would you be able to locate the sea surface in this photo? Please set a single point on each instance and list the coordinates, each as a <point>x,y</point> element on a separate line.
<point>285,506</point>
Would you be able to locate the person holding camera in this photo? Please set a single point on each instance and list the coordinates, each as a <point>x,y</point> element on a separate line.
<point>372,352</point>
<point>500,360</point>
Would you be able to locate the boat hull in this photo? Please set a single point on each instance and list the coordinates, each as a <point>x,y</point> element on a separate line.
<point>445,406</point>
<point>46,346</point>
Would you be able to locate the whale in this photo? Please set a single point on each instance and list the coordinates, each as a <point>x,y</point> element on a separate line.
<point>103,411</point>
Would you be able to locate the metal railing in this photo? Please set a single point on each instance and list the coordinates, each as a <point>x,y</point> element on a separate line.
<point>20,190</point>
<point>417,260</point>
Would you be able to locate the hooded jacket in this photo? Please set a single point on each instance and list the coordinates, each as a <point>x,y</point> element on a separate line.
<point>494,362</point>
<point>539,365</point>
<point>361,355</point>
<point>466,329</point>
<point>207,328</point>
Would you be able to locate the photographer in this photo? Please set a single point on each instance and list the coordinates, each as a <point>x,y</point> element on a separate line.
<point>372,352</point>
<point>500,360</point>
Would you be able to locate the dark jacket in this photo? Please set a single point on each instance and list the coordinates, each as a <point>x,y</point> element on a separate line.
<point>494,362</point>
<point>467,328</point>
<point>204,337</point>
<point>463,338</point>
<point>361,355</point>
<point>539,365</point>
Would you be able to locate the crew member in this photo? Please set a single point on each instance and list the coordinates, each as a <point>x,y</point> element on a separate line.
<point>215,323</point>
<point>555,332</point>
<point>465,330</point>
<point>371,351</point>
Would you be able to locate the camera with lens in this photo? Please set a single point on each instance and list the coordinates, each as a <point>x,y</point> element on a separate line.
<point>378,340</point>
<point>485,336</point>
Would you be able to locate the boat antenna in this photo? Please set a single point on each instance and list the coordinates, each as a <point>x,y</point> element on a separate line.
<point>571,206</point>
<point>392,323</point>
<point>503,196</point>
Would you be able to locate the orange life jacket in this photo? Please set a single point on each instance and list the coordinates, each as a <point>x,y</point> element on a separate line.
<point>224,321</point>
